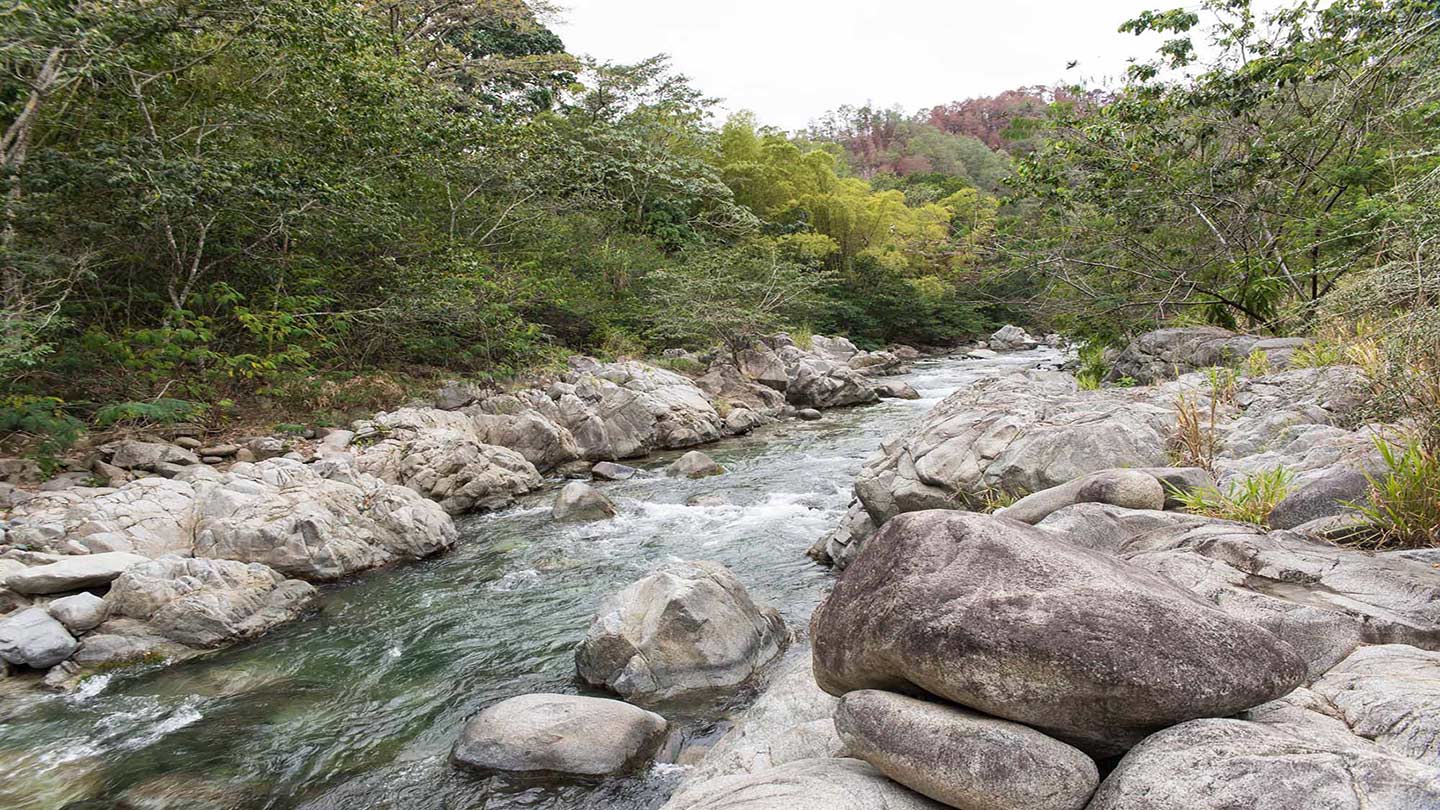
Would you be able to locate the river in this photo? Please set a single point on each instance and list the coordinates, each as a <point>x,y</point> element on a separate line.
<point>357,706</point>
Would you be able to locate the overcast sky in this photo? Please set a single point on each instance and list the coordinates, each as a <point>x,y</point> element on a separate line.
<point>791,60</point>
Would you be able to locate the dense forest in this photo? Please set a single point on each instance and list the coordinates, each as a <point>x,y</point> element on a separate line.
<point>216,208</point>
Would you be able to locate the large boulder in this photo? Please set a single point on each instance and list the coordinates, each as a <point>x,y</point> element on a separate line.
<point>33,638</point>
<point>1001,617</point>
<point>1291,756</point>
<point>567,735</point>
<point>761,364</point>
<point>689,627</point>
<point>78,612</point>
<point>205,604</point>
<point>807,784</point>
<point>527,423</point>
<point>439,454</point>
<point>820,383</point>
<point>1011,338</point>
<point>319,521</point>
<point>148,456</point>
<point>72,573</point>
<point>835,349</point>
<point>579,502</point>
<point>1168,353</point>
<point>694,464</point>
<point>150,516</point>
<point>624,410</point>
<point>963,759</point>
<point>1016,434</point>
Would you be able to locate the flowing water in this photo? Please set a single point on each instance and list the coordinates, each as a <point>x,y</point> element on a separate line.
<point>357,707</point>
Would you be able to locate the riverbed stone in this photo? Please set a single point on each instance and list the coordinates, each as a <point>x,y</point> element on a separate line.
<point>1337,492</point>
<point>568,735</point>
<point>689,627</point>
<point>72,573</point>
<point>807,784</point>
<point>966,760</point>
<point>999,617</point>
<point>610,471</point>
<point>33,638</point>
<point>894,389</point>
<point>79,612</point>
<point>1011,338</point>
<point>138,455</point>
<point>205,604</point>
<point>153,515</point>
<point>819,383</point>
<point>694,464</point>
<point>581,503</point>
<point>1168,353</point>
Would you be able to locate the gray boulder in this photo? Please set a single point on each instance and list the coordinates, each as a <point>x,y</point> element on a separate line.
<point>841,546</point>
<point>689,627</point>
<point>610,471</point>
<point>1328,496</point>
<point>529,424</point>
<point>963,759</point>
<point>1131,489</point>
<point>1020,433</point>
<point>72,573</point>
<point>79,613</point>
<point>819,383</point>
<point>1295,760</point>
<point>317,521</point>
<point>150,516</point>
<point>999,617</point>
<point>893,389</point>
<point>1010,338</point>
<point>835,349</point>
<point>33,638</point>
<point>1168,353</point>
<point>440,455</point>
<point>807,784</point>
<point>809,415</point>
<point>624,410</point>
<point>456,394</point>
<point>740,421</point>
<point>694,464</point>
<point>568,735</point>
<point>205,604</point>
<point>878,364</point>
<point>135,455</point>
<point>761,364</point>
<point>580,503</point>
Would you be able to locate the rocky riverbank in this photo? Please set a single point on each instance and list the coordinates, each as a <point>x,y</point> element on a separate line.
<point>1085,647</point>
<point>187,548</point>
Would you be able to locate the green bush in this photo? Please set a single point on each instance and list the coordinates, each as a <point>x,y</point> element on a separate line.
<point>1404,507</point>
<point>1248,500</point>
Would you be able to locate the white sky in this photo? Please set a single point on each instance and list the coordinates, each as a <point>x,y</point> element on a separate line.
<point>792,60</point>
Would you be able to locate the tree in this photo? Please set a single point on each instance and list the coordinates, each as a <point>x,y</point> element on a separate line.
<point>733,296</point>
<point>1246,192</point>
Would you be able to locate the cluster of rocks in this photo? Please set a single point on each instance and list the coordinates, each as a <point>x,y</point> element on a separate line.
<point>685,630</point>
<point>1087,648</point>
<point>1037,436</point>
<point>173,546</point>
<point>1168,353</point>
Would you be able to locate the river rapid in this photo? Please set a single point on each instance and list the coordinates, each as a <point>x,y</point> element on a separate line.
<point>357,706</point>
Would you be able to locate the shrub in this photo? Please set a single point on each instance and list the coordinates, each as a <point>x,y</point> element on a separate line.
<point>156,412</point>
<point>1317,355</point>
<point>1195,441</point>
<point>1248,500</point>
<point>42,424</point>
<point>1404,508</point>
<point>1257,364</point>
<point>1093,367</point>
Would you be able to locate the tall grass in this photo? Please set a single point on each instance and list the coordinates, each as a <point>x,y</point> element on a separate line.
<point>1404,508</point>
<point>1248,500</point>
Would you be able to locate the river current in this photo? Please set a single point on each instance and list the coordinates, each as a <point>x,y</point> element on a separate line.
<point>357,706</point>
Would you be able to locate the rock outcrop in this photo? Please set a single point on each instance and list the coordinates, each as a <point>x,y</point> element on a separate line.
<point>72,573</point>
<point>559,735</point>
<point>1168,353</point>
<point>687,628</point>
<point>1001,618</point>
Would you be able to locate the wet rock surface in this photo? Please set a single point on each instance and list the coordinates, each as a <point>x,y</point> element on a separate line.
<point>559,735</point>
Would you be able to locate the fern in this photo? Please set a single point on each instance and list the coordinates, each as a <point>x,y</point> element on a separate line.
<point>157,412</point>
